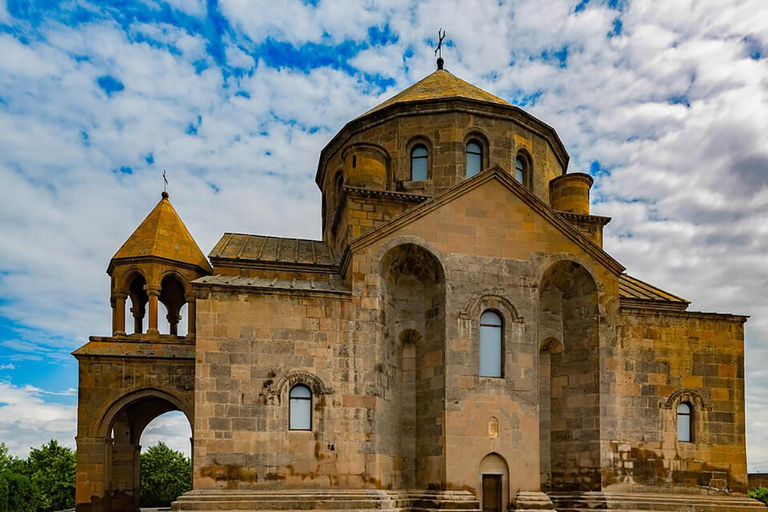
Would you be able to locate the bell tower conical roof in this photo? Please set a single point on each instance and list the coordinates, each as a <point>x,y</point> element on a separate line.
<point>162,234</point>
<point>441,84</point>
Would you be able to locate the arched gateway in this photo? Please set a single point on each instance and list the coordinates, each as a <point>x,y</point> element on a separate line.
<point>127,380</point>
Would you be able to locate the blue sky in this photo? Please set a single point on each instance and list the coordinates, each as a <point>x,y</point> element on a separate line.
<point>665,103</point>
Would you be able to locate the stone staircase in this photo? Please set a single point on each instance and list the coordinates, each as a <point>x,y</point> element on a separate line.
<point>652,502</point>
<point>364,500</point>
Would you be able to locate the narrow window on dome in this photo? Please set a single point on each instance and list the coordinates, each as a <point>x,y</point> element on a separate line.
<point>474,158</point>
<point>490,344</point>
<point>300,413</point>
<point>684,422</point>
<point>520,168</point>
<point>419,162</point>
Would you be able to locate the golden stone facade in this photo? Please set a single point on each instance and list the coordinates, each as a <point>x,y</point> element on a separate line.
<point>351,373</point>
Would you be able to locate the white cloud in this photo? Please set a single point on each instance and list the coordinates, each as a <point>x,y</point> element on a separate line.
<point>26,420</point>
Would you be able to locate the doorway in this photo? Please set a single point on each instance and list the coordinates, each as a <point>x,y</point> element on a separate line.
<point>491,493</point>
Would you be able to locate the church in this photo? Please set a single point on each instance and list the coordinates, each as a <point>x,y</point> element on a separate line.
<point>458,340</point>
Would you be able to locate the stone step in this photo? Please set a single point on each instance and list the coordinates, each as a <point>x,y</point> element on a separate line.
<point>370,500</point>
<point>652,502</point>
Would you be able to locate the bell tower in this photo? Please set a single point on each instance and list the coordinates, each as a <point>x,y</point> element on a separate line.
<point>156,266</point>
<point>145,368</point>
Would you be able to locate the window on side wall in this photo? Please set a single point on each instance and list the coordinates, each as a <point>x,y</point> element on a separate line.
<point>419,162</point>
<point>684,422</point>
<point>474,158</point>
<point>300,404</point>
<point>490,344</point>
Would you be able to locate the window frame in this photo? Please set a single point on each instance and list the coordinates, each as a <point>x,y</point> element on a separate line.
<point>525,158</point>
<point>480,154</point>
<point>419,145</point>
<point>291,399</point>
<point>500,352</point>
<point>690,415</point>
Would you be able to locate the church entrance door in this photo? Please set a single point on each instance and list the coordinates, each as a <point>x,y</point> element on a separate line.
<point>491,493</point>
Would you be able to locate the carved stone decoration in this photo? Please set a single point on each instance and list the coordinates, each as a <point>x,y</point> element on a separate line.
<point>493,427</point>
<point>289,380</point>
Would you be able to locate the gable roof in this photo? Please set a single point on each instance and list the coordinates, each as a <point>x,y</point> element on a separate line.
<point>497,173</point>
<point>162,234</point>
<point>439,85</point>
<point>260,251</point>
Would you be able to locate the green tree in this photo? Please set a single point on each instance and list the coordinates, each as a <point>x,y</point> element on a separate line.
<point>17,493</point>
<point>759,494</point>
<point>165,474</point>
<point>52,469</point>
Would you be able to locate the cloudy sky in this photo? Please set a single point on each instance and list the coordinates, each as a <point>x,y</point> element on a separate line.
<point>664,103</point>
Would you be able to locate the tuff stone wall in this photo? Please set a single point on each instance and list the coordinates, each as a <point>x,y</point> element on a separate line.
<point>666,358</point>
<point>489,262</point>
<point>251,348</point>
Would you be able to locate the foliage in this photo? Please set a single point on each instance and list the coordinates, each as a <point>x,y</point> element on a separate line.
<point>52,468</point>
<point>165,474</point>
<point>17,493</point>
<point>759,494</point>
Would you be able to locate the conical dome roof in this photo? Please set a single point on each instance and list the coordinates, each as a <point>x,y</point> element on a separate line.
<point>163,235</point>
<point>439,85</point>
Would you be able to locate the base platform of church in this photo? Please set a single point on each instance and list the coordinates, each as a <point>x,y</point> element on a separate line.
<point>652,502</point>
<point>321,500</point>
<point>370,500</point>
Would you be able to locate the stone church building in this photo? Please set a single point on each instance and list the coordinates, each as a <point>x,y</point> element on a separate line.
<point>458,340</point>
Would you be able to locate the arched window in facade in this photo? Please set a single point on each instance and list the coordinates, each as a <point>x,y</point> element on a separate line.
<point>419,162</point>
<point>521,167</point>
<point>490,344</point>
<point>684,422</point>
<point>300,404</point>
<point>474,158</point>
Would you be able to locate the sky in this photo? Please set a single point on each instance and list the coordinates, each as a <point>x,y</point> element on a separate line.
<point>664,103</point>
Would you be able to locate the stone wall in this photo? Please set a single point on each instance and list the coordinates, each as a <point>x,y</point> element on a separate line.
<point>666,358</point>
<point>252,347</point>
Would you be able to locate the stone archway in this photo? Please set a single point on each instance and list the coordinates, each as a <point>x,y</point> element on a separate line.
<point>118,398</point>
<point>125,422</point>
<point>569,379</point>
<point>413,298</point>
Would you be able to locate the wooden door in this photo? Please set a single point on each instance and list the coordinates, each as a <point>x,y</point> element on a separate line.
<point>491,493</point>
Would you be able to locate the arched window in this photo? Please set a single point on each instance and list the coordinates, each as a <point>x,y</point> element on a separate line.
<point>684,422</point>
<point>490,344</point>
<point>300,413</point>
<point>521,166</point>
<point>474,158</point>
<point>419,162</point>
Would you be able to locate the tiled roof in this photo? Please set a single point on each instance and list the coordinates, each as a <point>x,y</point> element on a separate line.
<point>333,283</point>
<point>439,85</point>
<point>270,249</point>
<point>633,290</point>
<point>164,235</point>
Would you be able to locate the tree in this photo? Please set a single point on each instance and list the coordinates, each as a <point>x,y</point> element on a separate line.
<point>17,493</point>
<point>53,469</point>
<point>165,474</point>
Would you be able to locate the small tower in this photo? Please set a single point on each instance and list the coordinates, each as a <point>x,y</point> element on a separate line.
<point>156,265</point>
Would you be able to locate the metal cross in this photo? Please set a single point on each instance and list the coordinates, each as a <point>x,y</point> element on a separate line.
<point>440,37</point>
